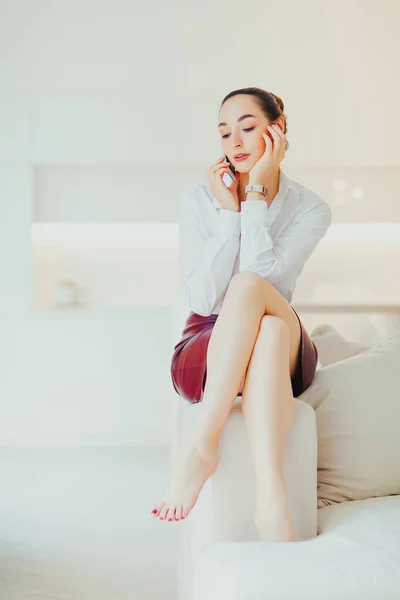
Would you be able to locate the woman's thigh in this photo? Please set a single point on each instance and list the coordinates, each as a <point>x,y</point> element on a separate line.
<point>303,370</point>
<point>274,305</point>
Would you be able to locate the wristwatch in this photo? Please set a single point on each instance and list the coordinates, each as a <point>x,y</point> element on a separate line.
<point>256,187</point>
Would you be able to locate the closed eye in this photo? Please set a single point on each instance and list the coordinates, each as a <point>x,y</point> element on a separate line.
<point>248,129</point>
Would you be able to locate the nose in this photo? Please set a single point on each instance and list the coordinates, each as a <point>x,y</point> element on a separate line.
<point>236,140</point>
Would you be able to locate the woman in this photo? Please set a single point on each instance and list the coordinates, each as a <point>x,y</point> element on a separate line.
<point>241,252</point>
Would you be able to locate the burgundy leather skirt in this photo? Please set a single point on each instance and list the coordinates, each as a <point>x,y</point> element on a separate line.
<point>189,360</point>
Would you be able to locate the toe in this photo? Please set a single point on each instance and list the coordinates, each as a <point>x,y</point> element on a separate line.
<point>170,515</point>
<point>178,514</point>
<point>158,509</point>
<point>164,512</point>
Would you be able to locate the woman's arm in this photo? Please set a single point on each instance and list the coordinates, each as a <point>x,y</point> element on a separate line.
<point>206,262</point>
<point>275,259</point>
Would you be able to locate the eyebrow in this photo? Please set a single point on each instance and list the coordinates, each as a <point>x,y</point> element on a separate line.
<point>239,119</point>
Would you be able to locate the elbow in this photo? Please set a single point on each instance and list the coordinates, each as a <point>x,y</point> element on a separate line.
<point>200,308</point>
<point>272,270</point>
<point>201,311</point>
<point>199,304</point>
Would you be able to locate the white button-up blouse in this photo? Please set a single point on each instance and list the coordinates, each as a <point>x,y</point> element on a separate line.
<point>275,241</point>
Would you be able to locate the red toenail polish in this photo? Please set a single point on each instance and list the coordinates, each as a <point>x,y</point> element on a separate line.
<point>154,511</point>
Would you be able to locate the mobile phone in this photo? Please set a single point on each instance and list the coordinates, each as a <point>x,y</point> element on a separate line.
<point>230,175</point>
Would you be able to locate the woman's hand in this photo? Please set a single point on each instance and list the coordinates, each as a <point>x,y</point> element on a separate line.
<point>227,197</point>
<point>274,153</point>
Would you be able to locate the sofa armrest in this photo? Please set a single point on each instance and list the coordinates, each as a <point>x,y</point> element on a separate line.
<point>225,508</point>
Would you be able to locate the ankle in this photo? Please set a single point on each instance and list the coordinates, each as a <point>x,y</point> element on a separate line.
<point>206,446</point>
<point>272,493</point>
<point>205,438</point>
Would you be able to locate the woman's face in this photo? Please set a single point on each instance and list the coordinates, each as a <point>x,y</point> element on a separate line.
<point>243,136</point>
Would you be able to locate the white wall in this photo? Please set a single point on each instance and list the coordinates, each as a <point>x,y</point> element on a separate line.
<point>106,84</point>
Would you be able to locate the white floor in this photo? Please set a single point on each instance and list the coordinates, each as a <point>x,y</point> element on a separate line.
<point>76,524</point>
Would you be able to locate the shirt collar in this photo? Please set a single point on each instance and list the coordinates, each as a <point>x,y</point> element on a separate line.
<point>285,185</point>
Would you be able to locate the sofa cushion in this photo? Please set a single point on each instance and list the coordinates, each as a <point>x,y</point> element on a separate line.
<point>374,521</point>
<point>357,406</point>
<point>356,555</point>
<point>332,346</point>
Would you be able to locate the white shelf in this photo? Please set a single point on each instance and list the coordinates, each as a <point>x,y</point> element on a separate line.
<point>136,265</point>
<point>115,265</point>
<point>387,309</point>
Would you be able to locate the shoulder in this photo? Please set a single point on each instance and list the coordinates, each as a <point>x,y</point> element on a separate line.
<point>197,193</point>
<point>308,202</point>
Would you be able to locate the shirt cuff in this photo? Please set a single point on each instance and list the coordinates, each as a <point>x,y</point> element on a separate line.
<point>229,221</point>
<point>255,212</point>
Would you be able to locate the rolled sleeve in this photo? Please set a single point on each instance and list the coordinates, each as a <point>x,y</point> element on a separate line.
<point>274,259</point>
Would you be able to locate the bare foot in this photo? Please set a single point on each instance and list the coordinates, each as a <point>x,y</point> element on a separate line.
<point>190,474</point>
<point>273,519</point>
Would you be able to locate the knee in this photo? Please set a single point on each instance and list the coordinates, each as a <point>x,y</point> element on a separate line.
<point>246,283</point>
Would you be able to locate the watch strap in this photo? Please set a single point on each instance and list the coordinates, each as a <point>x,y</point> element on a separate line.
<point>256,187</point>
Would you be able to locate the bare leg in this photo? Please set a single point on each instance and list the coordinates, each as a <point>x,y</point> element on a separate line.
<point>268,409</point>
<point>229,350</point>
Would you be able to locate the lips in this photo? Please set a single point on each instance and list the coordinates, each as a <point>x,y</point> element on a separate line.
<point>240,155</point>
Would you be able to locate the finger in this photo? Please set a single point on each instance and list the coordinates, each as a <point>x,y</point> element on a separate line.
<point>278,130</point>
<point>217,168</point>
<point>283,139</point>
<point>267,140</point>
<point>277,140</point>
<point>218,171</point>
<point>221,158</point>
<point>274,133</point>
<point>222,172</point>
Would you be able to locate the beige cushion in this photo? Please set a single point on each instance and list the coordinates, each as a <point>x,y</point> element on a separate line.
<point>357,406</point>
<point>332,346</point>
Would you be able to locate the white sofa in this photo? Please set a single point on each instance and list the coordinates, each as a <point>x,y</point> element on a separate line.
<point>356,553</point>
<point>345,551</point>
